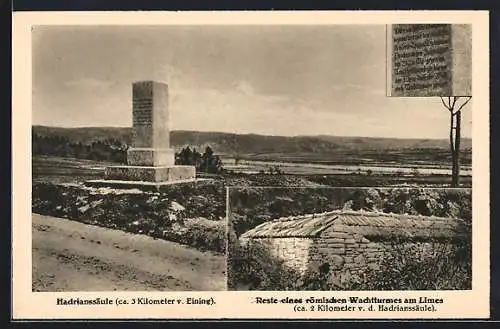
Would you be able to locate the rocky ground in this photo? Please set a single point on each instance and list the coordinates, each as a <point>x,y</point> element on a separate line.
<point>72,256</point>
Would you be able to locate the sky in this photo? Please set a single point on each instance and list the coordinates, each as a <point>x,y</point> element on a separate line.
<point>271,80</point>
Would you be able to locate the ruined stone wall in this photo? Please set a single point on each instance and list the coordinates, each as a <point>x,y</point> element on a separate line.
<point>339,250</point>
<point>350,255</point>
<point>347,254</point>
<point>293,251</point>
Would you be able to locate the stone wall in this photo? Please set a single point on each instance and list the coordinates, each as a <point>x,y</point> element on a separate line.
<point>347,254</point>
<point>293,251</point>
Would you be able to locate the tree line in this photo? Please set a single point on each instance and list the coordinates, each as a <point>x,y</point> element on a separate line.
<point>206,162</point>
<point>109,149</point>
<point>114,150</point>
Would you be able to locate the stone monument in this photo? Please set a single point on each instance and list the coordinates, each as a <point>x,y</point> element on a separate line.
<point>150,160</point>
<point>429,60</point>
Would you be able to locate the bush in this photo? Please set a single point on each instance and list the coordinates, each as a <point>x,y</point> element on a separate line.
<point>448,267</point>
<point>251,267</point>
<point>251,206</point>
<point>207,162</point>
<point>199,233</point>
<point>143,212</point>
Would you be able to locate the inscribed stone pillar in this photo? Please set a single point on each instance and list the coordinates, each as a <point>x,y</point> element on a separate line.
<point>150,160</point>
<point>151,134</point>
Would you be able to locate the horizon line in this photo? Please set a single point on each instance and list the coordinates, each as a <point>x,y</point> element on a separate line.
<point>255,134</point>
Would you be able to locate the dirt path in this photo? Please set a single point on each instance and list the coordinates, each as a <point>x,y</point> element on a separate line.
<point>71,256</point>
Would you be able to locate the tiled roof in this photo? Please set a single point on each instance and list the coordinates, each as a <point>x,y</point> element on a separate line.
<point>303,226</point>
<point>366,223</point>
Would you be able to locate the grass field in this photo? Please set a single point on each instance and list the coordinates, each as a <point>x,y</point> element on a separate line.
<point>70,170</point>
<point>66,170</point>
<point>304,168</point>
<point>422,158</point>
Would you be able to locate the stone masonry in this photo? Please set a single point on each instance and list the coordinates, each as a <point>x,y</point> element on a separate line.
<point>150,160</point>
<point>349,242</point>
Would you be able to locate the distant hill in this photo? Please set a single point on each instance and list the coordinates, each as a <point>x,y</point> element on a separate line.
<point>228,143</point>
<point>376,143</point>
<point>85,135</point>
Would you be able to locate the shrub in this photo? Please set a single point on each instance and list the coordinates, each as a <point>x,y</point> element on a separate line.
<point>438,265</point>
<point>199,233</point>
<point>408,267</point>
<point>251,206</point>
<point>144,212</point>
<point>252,267</point>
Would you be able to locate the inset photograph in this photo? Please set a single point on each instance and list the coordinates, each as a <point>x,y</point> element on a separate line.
<point>349,239</point>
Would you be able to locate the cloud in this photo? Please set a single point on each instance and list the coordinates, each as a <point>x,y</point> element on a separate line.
<point>358,88</point>
<point>242,109</point>
<point>168,74</point>
<point>89,83</point>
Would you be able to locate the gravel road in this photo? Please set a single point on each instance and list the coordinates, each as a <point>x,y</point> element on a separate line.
<point>71,256</point>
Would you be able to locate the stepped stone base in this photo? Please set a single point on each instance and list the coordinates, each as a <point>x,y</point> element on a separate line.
<point>144,186</point>
<point>150,174</point>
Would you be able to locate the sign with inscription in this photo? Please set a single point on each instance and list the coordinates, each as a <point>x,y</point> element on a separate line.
<point>429,60</point>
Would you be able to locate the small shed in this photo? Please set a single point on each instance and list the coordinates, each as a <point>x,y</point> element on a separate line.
<point>350,240</point>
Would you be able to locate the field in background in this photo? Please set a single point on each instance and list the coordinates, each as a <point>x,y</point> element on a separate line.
<point>111,143</point>
<point>300,166</point>
<point>344,160</point>
<point>262,173</point>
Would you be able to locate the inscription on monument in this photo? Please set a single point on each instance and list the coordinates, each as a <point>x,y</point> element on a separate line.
<point>422,60</point>
<point>142,112</point>
<point>142,103</point>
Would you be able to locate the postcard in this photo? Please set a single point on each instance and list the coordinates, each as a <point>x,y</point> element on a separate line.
<point>250,165</point>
